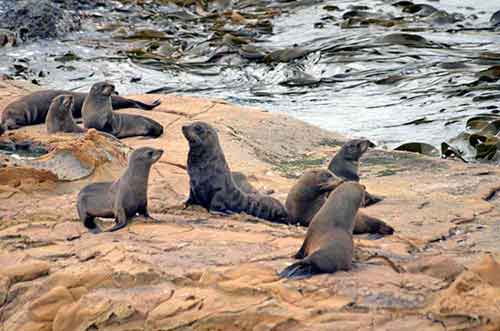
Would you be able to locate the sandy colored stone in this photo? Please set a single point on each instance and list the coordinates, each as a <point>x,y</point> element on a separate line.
<point>26,271</point>
<point>442,267</point>
<point>46,307</point>
<point>4,288</point>
<point>192,270</point>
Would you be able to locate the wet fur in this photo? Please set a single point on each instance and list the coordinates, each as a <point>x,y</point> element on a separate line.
<point>122,199</point>
<point>98,114</point>
<point>60,118</point>
<point>328,246</point>
<point>345,164</point>
<point>310,193</point>
<point>211,183</point>
<point>32,109</point>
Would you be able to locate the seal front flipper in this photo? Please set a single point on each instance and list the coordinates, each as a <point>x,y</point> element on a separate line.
<point>299,270</point>
<point>121,220</point>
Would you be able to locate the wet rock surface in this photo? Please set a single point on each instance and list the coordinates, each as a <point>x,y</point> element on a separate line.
<point>192,270</point>
<point>38,19</point>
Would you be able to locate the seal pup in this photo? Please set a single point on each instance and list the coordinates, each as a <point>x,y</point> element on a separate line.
<point>211,183</point>
<point>97,112</point>
<point>121,199</point>
<point>328,246</point>
<point>345,164</point>
<point>309,194</point>
<point>60,115</point>
<point>33,108</point>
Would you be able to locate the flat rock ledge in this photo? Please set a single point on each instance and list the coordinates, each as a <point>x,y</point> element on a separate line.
<point>192,270</point>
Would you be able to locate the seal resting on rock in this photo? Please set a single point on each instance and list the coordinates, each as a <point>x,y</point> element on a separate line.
<point>122,199</point>
<point>211,183</point>
<point>60,115</point>
<point>97,112</point>
<point>33,108</point>
<point>345,164</point>
<point>309,194</point>
<point>328,246</point>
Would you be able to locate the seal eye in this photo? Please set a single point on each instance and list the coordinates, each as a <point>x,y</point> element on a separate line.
<point>150,154</point>
<point>198,129</point>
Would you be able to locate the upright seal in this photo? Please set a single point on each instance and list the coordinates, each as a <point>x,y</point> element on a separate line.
<point>309,194</point>
<point>122,199</point>
<point>32,109</point>
<point>328,246</point>
<point>345,164</point>
<point>98,114</point>
<point>60,116</point>
<point>211,183</point>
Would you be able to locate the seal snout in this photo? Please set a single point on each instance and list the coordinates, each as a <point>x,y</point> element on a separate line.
<point>157,154</point>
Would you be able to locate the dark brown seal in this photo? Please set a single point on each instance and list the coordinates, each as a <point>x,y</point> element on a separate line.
<point>33,108</point>
<point>122,199</point>
<point>211,183</point>
<point>309,194</point>
<point>97,112</point>
<point>345,164</point>
<point>328,246</point>
<point>60,115</point>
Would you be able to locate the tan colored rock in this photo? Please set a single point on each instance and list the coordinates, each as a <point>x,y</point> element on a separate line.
<point>4,289</point>
<point>442,267</point>
<point>473,300</point>
<point>46,307</point>
<point>192,270</point>
<point>26,271</point>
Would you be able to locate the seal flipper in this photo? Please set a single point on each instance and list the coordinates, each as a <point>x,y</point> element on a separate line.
<point>121,220</point>
<point>120,102</point>
<point>371,199</point>
<point>302,252</point>
<point>299,270</point>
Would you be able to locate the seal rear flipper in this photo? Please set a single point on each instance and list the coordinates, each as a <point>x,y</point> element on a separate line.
<point>10,124</point>
<point>371,199</point>
<point>90,224</point>
<point>120,103</point>
<point>299,270</point>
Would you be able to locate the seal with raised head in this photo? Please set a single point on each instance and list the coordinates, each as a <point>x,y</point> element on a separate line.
<point>32,109</point>
<point>345,164</point>
<point>121,199</point>
<point>98,114</point>
<point>328,246</point>
<point>211,183</point>
<point>309,194</point>
<point>60,116</point>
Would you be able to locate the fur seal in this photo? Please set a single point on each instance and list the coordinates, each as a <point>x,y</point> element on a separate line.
<point>33,108</point>
<point>121,199</point>
<point>211,183</point>
<point>345,164</point>
<point>309,194</point>
<point>97,112</point>
<point>60,115</point>
<point>328,246</point>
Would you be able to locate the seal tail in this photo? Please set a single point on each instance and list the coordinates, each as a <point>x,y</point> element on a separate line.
<point>266,207</point>
<point>299,270</point>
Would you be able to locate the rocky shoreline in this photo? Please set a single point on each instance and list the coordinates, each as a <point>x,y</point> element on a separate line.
<point>196,271</point>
